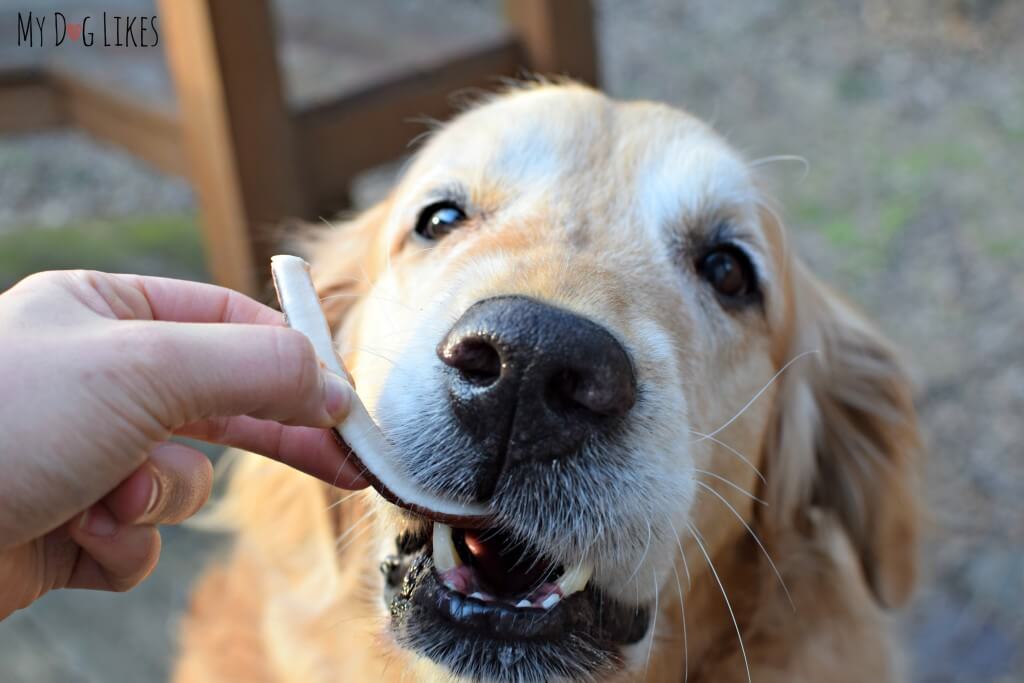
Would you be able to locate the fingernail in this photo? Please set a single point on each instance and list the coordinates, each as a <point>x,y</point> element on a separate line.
<point>154,493</point>
<point>337,397</point>
<point>98,522</point>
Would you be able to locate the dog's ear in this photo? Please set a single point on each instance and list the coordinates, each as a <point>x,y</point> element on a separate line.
<point>846,436</point>
<point>346,258</point>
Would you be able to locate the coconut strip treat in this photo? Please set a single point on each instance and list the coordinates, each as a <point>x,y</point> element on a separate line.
<point>301,306</point>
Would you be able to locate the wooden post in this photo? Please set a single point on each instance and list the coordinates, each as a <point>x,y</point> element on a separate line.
<point>557,36</point>
<point>237,129</point>
<point>29,102</point>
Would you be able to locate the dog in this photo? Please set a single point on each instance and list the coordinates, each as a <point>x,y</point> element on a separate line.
<point>585,315</point>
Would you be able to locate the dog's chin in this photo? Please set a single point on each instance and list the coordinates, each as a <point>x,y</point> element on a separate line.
<point>486,609</point>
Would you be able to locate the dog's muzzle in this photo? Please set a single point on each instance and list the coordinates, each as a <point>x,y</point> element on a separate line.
<point>539,397</point>
<point>528,381</point>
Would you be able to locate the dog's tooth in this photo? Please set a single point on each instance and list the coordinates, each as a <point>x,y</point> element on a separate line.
<point>550,601</point>
<point>575,579</point>
<point>524,603</point>
<point>445,555</point>
<point>478,596</point>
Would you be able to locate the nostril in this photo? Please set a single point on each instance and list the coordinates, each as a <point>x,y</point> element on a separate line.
<point>568,392</point>
<point>476,359</point>
<point>562,391</point>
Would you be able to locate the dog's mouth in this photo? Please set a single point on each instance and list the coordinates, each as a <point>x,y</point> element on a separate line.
<point>486,605</point>
<point>491,568</point>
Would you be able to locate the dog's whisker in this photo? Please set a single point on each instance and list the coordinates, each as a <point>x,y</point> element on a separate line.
<point>682,615</point>
<point>682,553</point>
<point>654,626</point>
<point>366,527</point>
<point>776,158</point>
<point>728,605</point>
<point>345,281</point>
<point>753,535</point>
<point>365,274</point>
<point>729,482</point>
<point>341,466</point>
<point>362,269</point>
<point>394,363</point>
<point>757,395</point>
<point>643,557</point>
<point>343,619</point>
<point>431,124</point>
<point>783,235</point>
<point>379,350</point>
<point>344,499</point>
<point>729,448</point>
<point>362,295</point>
<point>387,261</point>
<point>362,520</point>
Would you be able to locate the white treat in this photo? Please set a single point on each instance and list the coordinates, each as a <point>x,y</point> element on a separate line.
<point>301,306</point>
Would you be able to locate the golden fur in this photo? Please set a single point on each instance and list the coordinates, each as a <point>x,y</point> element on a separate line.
<point>834,436</point>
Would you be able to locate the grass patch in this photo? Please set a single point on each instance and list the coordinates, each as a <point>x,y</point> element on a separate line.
<point>925,159</point>
<point>1005,249</point>
<point>168,245</point>
<point>842,232</point>
<point>865,241</point>
<point>858,82</point>
<point>1015,133</point>
<point>893,216</point>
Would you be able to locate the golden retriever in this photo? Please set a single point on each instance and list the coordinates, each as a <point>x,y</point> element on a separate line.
<point>585,315</point>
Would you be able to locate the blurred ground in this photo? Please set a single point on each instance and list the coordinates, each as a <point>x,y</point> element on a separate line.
<point>911,118</point>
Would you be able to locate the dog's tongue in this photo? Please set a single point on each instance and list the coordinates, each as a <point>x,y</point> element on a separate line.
<point>301,307</point>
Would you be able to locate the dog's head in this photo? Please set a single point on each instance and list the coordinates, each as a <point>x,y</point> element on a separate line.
<point>582,314</point>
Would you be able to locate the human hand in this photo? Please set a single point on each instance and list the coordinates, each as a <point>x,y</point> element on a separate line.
<point>97,371</point>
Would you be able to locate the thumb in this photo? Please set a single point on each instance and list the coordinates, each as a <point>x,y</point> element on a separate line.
<point>268,372</point>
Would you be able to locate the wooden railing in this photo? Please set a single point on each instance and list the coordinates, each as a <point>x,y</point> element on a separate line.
<point>251,158</point>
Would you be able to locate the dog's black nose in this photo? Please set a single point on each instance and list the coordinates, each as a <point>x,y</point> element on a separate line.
<point>529,381</point>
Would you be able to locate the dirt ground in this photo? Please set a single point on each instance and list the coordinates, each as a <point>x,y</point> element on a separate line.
<point>909,120</point>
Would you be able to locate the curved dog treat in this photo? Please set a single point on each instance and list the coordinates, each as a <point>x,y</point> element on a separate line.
<point>301,306</point>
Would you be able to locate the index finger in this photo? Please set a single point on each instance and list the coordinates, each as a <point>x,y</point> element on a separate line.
<point>308,449</point>
<point>197,302</point>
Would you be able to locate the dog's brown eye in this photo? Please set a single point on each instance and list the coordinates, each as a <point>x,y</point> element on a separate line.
<point>439,219</point>
<point>729,271</point>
